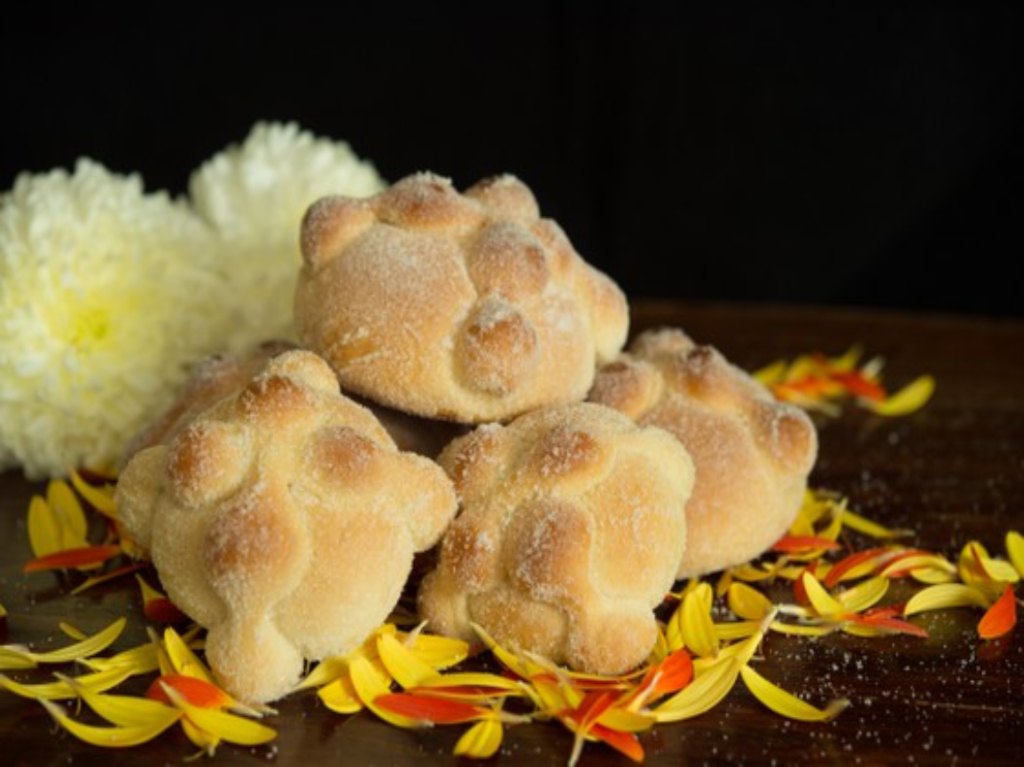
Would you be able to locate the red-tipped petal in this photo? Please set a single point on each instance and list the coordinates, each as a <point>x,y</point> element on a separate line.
<point>856,383</point>
<point>1001,617</point>
<point>162,610</point>
<point>429,709</point>
<point>80,557</point>
<point>843,566</point>
<point>623,742</point>
<point>198,692</point>
<point>789,544</point>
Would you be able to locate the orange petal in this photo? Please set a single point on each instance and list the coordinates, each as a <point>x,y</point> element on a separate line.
<point>624,742</point>
<point>1001,617</point>
<point>86,555</point>
<point>854,564</point>
<point>788,544</point>
<point>857,383</point>
<point>430,710</point>
<point>889,625</point>
<point>156,607</point>
<point>196,691</point>
<point>100,498</point>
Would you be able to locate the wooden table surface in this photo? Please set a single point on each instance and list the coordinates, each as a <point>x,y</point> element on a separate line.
<point>953,472</point>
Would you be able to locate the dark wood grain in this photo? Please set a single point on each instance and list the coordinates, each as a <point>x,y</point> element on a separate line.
<point>952,472</point>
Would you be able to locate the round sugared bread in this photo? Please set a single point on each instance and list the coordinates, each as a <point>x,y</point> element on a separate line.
<point>464,307</point>
<point>284,520</point>
<point>752,453</point>
<point>570,530</point>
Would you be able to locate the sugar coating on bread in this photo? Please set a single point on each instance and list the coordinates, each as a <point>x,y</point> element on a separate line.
<point>752,453</point>
<point>570,530</point>
<point>284,520</point>
<point>467,307</point>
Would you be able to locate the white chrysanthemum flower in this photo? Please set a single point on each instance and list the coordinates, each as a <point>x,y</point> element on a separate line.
<point>254,197</point>
<point>105,300</point>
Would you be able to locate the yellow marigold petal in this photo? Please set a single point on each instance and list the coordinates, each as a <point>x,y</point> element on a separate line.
<point>84,649</point>
<point>945,595</point>
<point>517,665</point>
<point>438,651</point>
<point>182,659</point>
<point>325,672</point>
<point>554,698</point>
<point>1015,550</point>
<point>404,666</point>
<point>137,660</point>
<point>472,679</point>
<point>803,366</point>
<point>790,572</point>
<point>785,703</point>
<point>910,398</point>
<point>848,360</point>
<point>674,630</point>
<point>822,602</point>
<point>340,696</point>
<point>127,710</point>
<point>799,629</point>
<point>62,689</point>
<point>750,573</point>
<point>747,602</point>
<point>917,562</point>
<point>999,570</point>
<point>227,727</point>
<point>661,650</point>
<point>44,531</point>
<point>702,694</point>
<point>870,528</point>
<point>15,658</point>
<point>206,742</point>
<point>625,720</point>
<point>368,687</point>
<point>110,737</point>
<point>728,632</point>
<point>932,575</point>
<point>865,594</point>
<point>68,511</point>
<point>832,529</point>
<point>723,583</point>
<point>697,627</point>
<point>100,498</point>
<point>745,650</point>
<point>771,373</point>
<point>481,741</point>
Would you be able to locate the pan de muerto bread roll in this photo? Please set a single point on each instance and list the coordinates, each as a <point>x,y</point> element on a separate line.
<point>752,453</point>
<point>466,307</point>
<point>285,521</point>
<point>571,527</point>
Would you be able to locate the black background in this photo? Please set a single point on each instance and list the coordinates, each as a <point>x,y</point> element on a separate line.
<point>785,153</point>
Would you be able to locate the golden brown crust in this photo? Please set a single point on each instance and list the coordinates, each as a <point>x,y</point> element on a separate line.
<point>752,454</point>
<point>284,520</point>
<point>465,307</point>
<point>570,532</point>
